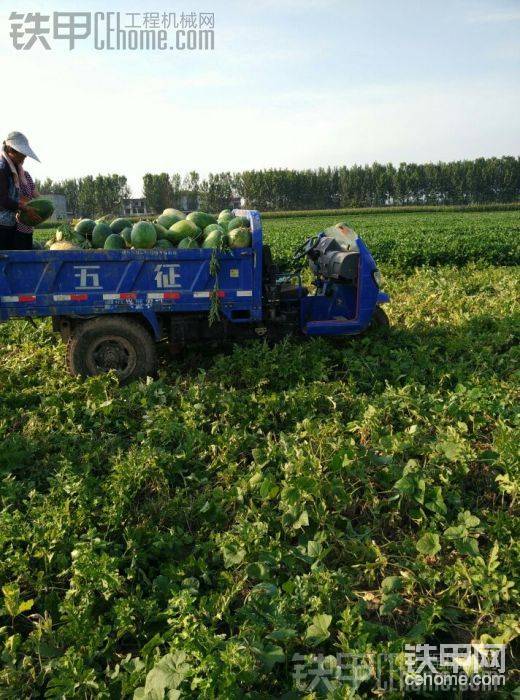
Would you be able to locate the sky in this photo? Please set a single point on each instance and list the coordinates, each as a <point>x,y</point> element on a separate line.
<point>290,83</point>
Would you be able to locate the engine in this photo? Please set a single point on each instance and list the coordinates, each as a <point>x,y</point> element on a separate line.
<point>332,261</point>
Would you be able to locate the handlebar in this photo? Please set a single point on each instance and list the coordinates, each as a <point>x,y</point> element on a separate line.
<point>305,248</point>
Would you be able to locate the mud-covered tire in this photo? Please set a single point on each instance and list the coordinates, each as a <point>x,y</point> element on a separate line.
<point>111,343</point>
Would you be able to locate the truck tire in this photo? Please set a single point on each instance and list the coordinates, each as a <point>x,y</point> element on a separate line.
<point>111,343</point>
<point>379,318</point>
<point>379,321</point>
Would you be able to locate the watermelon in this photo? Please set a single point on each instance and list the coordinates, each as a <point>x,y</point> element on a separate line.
<point>161,231</point>
<point>223,225</point>
<point>201,219</point>
<point>164,243</point>
<point>213,227</point>
<point>144,235</point>
<point>103,220</point>
<point>215,239</point>
<point>240,238</point>
<point>126,234</point>
<point>224,218</point>
<point>188,243</point>
<point>119,224</point>
<point>174,212</point>
<point>238,222</point>
<point>99,235</point>
<point>182,229</point>
<point>167,220</point>
<point>85,228</point>
<point>43,208</point>
<point>115,242</point>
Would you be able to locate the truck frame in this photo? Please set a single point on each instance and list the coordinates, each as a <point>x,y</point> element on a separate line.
<point>111,307</point>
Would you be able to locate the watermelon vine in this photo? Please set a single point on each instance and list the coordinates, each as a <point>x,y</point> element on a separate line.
<point>214,268</point>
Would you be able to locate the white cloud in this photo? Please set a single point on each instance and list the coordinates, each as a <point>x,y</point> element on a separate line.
<point>504,15</point>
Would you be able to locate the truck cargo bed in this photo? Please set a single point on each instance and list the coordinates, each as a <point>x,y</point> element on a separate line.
<point>92,282</point>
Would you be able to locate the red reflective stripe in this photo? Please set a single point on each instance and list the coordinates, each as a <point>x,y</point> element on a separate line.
<point>27,297</point>
<point>128,295</point>
<point>78,297</point>
<point>171,295</point>
<point>221,294</point>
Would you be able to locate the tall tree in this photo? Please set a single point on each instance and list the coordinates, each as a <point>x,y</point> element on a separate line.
<point>158,191</point>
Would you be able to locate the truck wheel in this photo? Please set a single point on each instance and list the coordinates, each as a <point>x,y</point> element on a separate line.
<point>379,318</point>
<point>110,343</point>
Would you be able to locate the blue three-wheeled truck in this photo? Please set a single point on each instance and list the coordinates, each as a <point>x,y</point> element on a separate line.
<point>111,307</point>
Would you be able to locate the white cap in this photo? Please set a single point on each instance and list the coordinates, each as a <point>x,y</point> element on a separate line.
<point>20,143</point>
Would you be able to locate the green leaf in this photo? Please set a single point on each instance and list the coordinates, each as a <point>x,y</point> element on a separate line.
<point>11,593</point>
<point>257,569</point>
<point>151,644</point>
<point>469,546</point>
<point>25,605</point>
<point>318,630</point>
<point>272,654</point>
<point>420,489</point>
<point>302,521</point>
<point>265,588</point>
<point>469,520</point>
<point>406,485</point>
<point>268,489</point>
<point>454,532</point>
<point>392,584</point>
<point>389,603</point>
<point>282,634</point>
<point>12,602</point>
<point>314,549</point>
<point>450,449</point>
<point>233,555</point>
<point>429,544</point>
<point>435,501</point>
<point>167,674</point>
<point>47,650</point>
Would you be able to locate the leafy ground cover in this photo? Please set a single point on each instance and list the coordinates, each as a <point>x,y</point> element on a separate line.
<point>191,535</point>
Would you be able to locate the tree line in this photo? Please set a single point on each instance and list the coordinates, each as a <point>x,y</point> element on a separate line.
<point>89,196</point>
<point>479,181</point>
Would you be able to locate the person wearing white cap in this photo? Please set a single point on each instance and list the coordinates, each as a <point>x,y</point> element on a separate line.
<point>13,183</point>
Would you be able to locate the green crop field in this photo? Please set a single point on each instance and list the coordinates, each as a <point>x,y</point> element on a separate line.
<point>411,239</point>
<point>205,535</point>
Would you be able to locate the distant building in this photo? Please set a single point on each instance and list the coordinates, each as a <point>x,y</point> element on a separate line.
<point>188,201</point>
<point>60,207</point>
<point>134,207</point>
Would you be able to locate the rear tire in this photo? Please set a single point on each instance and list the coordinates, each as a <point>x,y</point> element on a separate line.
<point>110,343</point>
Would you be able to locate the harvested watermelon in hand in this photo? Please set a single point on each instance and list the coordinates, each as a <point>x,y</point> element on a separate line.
<point>38,210</point>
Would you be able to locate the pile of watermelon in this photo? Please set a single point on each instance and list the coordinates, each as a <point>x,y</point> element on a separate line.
<point>172,229</point>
